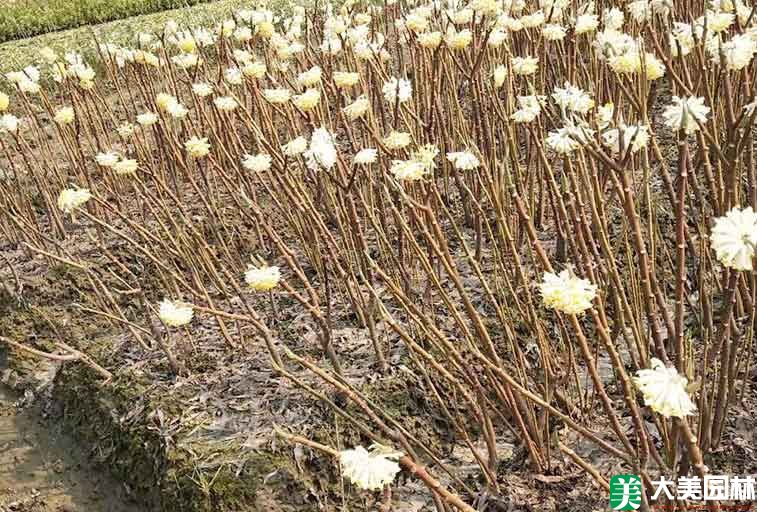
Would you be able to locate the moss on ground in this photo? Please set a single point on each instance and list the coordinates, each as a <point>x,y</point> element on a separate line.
<point>133,444</point>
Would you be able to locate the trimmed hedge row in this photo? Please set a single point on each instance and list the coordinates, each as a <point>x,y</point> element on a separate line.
<point>26,18</point>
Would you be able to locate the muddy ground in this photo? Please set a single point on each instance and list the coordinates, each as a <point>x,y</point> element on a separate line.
<point>43,469</point>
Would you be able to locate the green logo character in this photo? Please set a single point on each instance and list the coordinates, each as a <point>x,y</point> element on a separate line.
<point>625,492</point>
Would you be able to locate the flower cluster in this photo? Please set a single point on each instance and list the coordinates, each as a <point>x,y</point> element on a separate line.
<point>369,470</point>
<point>664,390</point>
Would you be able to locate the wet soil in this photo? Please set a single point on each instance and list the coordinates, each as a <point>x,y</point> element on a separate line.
<point>43,470</point>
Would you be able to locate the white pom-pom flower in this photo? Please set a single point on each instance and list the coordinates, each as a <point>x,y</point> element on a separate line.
<point>734,238</point>
<point>72,198</point>
<point>365,156</point>
<point>257,163</point>
<point>295,147</point>
<point>197,147</point>
<point>369,470</point>
<point>664,390</point>
<point>684,113</point>
<point>397,90</point>
<point>262,278</point>
<point>567,293</point>
<point>322,152</point>
<point>463,160</point>
<point>175,314</point>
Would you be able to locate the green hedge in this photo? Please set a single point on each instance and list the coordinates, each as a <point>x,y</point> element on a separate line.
<point>25,18</point>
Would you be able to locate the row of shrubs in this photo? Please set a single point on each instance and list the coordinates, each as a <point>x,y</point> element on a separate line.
<point>25,18</point>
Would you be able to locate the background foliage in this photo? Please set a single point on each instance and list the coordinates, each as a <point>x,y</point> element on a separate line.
<point>26,18</point>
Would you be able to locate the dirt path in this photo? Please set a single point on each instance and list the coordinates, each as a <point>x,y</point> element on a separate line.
<point>41,470</point>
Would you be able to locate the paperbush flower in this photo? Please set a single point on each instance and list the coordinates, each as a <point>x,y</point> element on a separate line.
<point>262,278</point>
<point>734,238</point>
<point>416,22</point>
<point>321,153</point>
<point>496,38</point>
<point>613,18</point>
<point>4,102</point>
<point>567,293</point>
<point>529,109</point>
<point>553,32</point>
<point>462,17</point>
<point>397,89</point>
<point>28,73</point>
<point>716,21</point>
<point>164,100</point>
<point>202,89</point>
<point>64,115</point>
<point>48,55</point>
<point>256,70</point>
<point>125,166</point>
<point>611,43</point>
<point>485,7</point>
<point>186,43</point>
<point>197,147</point>
<point>310,77</point>
<point>9,123</point>
<point>639,134</point>
<point>639,10</point>
<point>664,390</point>
<point>626,63</point>
<point>653,67</point>
<point>295,146</point>
<point>369,470</point>
<point>605,114</point>
<point>175,314</point>
<point>307,100</point>
<point>683,114</point>
<point>258,163</point>
<point>458,40</point>
<point>242,34</point>
<point>345,79</point>
<point>430,40</point>
<point>463,160</point>
<point>225,103</point>
<point>265,29</point>
<point>586,23</point>
<point>572,98</point>
<point>277,95</point>
<point>28,87</point>
<point>145,58</point>
<point>125,131</point>
<point>407,170</point>
<point>426,155</point>
<point>512,24</point>
<point>147,119</point>
<point>397,140</point>
<point>561,141</point>
<point>72,198</point>
<point>738,52</point>
<point>533,20</point>
<point>357,108</point>
<point>233,76</point>
<point>681,39</point>
<point>226,28</point>
<point>499,76</point>
<point>365,156</point>
<point>525,65</point>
